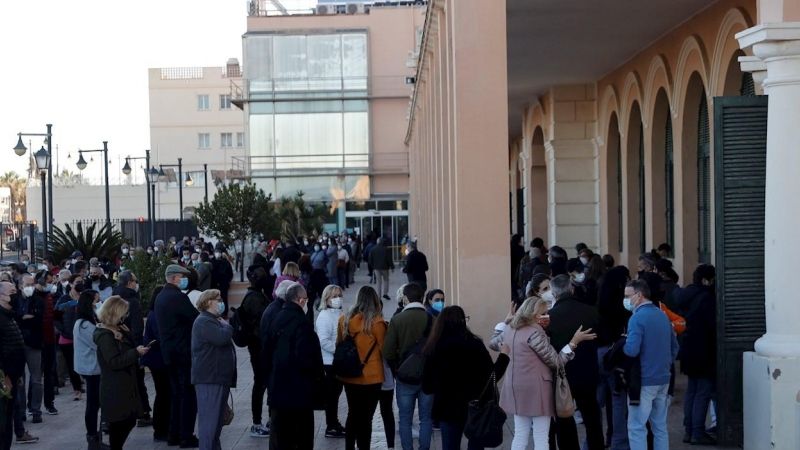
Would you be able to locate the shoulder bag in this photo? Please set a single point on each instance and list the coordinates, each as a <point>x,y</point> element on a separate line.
<point>565,407</point>
<point>485,421</point>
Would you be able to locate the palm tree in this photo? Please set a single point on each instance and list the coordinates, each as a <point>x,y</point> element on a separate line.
<point>17,185</point>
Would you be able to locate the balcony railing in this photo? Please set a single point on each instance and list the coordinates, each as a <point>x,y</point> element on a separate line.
<point>265,89</point>
<point>321,164</point>
<point>198,73</point>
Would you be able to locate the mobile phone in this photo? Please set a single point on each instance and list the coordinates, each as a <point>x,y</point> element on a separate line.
<point>151,343</point>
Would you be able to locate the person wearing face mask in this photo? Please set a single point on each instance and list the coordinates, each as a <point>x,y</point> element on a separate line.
<point>221,273</point>
<point>150,251</point>
<point>175,316</point>
<point>253,305</point>
<point>416,266</point>
<point>293,367</point>
<point>125,250</point>
<point>646,263</point>
<point>76,256</point>
<point>46,289</point>
<point>86,362</point>
<point>652,340</point>
<point>539,287</point>
<point>100,283</point>
<point>29,315</point>
<point>260,258</point>
<point>202,265</point>
<point>330,310</point>
<point>319,261</point>
<point>65,315</point>
<point>213,367</point>
<point>577,276</point>
<point>343,263</point>
<point>62,285</point>
<point>434,302</point>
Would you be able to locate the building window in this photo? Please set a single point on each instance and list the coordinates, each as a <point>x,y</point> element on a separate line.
<point>224,101</point>
<point>703,183</point>
<point>642,200</point>
<point>226,140</point>
<point>202,103</point>
<point>197,179</point>
<point>204,140</point>
<point>240,140</point>
<point>669,183</point>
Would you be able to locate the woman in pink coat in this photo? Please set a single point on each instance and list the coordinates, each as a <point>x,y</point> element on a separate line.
<point>528,389</point>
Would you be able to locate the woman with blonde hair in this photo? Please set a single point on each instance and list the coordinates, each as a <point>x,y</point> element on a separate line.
<point>118,358</point>
<point>365,325</point>
<point>528,389</point>
<point>330,311</point>
<point>213,367</point>
<point>291,272</point>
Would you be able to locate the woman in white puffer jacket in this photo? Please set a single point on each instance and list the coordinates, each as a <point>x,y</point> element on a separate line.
<point>330,310</point>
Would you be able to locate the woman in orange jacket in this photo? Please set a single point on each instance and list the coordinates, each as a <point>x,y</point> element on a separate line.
<point>364,323</point>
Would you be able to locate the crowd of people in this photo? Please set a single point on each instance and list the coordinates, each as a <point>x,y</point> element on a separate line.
<point>612,336</point>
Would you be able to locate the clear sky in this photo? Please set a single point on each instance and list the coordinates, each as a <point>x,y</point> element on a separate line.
<point>82,66</point>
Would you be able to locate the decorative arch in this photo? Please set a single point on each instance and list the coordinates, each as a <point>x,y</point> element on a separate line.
<point>658,77</point>
<point>631,93</point>
<point>534,117</point>
<point>609,107</point>
<point>726,45</point>
<point>693,58</point>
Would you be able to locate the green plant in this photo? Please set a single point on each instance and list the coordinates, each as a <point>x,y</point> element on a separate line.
<point>300,218</point>
<point>94,243</point>
<point>5,393</point>
<point>150,273</point>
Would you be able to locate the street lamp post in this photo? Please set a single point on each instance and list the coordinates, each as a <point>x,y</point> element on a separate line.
<point>152,179</point>
<point>205,180</point>
<point>82,165</point>
<point>43,163</point>
<point>127,171</point>
<point>20,150</point>
<point>180,181</point>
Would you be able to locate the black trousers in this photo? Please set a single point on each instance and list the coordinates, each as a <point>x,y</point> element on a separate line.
<point>387,414</point>
<point>119,432</point>
<point>184,402</point>
<point>362,400</point>
<point>333,390</point>
<point>69,357</point>
<point>292,429</point>
<point>7,432</point>
<point>162,404</point>
<point>566,432</point>
<point>143,390</point>
<point>49,374</point>
<point>92,404</point>
<point>259,388</point>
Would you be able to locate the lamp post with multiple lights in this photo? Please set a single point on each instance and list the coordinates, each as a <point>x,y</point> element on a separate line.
<point>163,177</point>
<point>127,171</point>
<point>82,165</point>
<point>47,168</point>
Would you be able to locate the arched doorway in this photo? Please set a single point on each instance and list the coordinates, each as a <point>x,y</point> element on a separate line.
<point>696,164</point>
<point>538,184</point>
<point>662,170</point>
<point>614,200</point>
<point>634,220</point>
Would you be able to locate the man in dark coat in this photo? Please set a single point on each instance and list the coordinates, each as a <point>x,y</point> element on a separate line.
<point>380,258</point>
<point>295,371</point>
<point>251,311</point>
<point>175,317</point>
<point>29,316</point>
<point>221,274</point>
<point>12,358</point>
<point>517,253</point>
<point>416,266</point>
<point>290,254</point>
<point>128,289</point>
<point>566,317</point>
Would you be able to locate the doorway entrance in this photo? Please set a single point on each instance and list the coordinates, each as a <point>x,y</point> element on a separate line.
<point>392,226</point>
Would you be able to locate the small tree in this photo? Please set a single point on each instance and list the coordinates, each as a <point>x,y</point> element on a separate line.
<point>300,218</point>
<point>236,213</point>
<point>150,273</point>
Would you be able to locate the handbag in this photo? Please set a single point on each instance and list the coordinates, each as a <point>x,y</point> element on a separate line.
<point>227,417</point>
<point>485,421</point>
<point>565,407</point>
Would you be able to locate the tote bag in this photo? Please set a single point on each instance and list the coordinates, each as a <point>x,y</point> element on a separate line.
<point>565,407</point>
<point>485,421</point>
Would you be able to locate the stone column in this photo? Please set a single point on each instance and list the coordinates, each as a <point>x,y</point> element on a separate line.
<point>772,372</point>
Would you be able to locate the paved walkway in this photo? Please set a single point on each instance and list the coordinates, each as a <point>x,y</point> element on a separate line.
<point>66,430</point>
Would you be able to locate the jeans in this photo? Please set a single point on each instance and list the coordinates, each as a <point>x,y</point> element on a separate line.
<point>362,400</point>
<point>522,432</point>
<point>409,396</point>
<point>333,390</point>
<point>652,408</point>
<point>184,402</point>
<point>383,283</point>
<point>92,404</point>
<point>49,374</point>
<point>119,432</point>
<point>257,396</point>
<point>163,402</point>
<point>211,401</point>
<point>69,358</point>
<point>452,432</point>
<point>695,405</point>
<point>34,363</point>
<point>619,407</point>
<point>387,414</point>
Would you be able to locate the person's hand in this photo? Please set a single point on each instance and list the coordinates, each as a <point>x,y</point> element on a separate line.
<point>582,335</point>
<point>142,350</point>
<point>505,349</point>
<point>21,382</point>
<point>27,316</point>
<point>511,313</point>
<point>124,327</point>
<point>117,335</point>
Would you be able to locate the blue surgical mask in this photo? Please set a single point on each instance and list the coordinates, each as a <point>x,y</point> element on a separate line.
<point>626,303</point>
<point>438,306</point>
<point>183,284</point>
<point>97,308</point>
<point>221,308</point>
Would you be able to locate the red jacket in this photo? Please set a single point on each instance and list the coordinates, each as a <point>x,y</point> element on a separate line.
<point>48,321</point>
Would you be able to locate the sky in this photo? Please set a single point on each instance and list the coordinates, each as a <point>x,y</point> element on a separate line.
<point>82,66</point>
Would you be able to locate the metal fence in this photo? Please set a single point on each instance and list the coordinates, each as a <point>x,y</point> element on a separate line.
<point>137,232</point>
<point>19,238</point>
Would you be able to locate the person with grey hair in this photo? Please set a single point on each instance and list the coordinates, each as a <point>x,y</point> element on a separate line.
<point>380,258</point>
<point>568,315</point>
<point>63,283</point>
<point>294,370</point>
<point>416,265</point>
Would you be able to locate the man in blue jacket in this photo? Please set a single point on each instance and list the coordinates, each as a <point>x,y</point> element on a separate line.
<point>651,338</point>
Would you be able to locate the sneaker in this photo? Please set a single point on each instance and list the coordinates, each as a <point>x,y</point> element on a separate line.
<point>437,426</point>
<point>704,440</point>
<point>37,418</point>
<point>387,297</point>
<point>192,442</point>
<point>27,439</point>
<point>51,410</point>
<point>145,421</point>
<point>29,412</point>
<point>335,432</point>
<point>259,431</point>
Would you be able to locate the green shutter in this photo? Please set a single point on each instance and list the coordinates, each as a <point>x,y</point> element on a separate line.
<point>642,200</point>
<point>748,85</point>
<point>669,182</point>
<point>740,169</point>
<point>619,194</point>
<point>703,183</point>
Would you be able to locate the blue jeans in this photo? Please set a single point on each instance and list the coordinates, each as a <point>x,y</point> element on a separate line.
<point>619,411</point>
<point>334,281</point>
<point>652,408</point>
<point>409,396</point>
<point>695,405</point>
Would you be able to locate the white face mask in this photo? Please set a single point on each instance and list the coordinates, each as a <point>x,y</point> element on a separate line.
<point>136,288</point>
<point>155,249</point>
<point>53,288</point>
<point>125,251</point>
<point>408,251</point>
<point>336,302</point>
<point>580,277</point>
<point>217,255</point>
<point>27,291</point>
<point>305,308</point>
<point>42,267</point>
<point>74,261</point>
<point>584,261</point>
<point>65,283</point>
<point>549,298</point>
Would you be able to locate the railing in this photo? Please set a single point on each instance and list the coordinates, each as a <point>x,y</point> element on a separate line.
<point>293,165</point>
<point>232,72</point>
<point>320,87</point>
<point>261,8</point>
<point>91,181</point>
<point>181,73</point>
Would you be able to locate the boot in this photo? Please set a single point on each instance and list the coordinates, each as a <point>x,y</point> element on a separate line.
<point>96,442</point>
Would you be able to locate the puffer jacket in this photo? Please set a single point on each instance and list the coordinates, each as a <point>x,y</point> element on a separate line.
<point>12,346</point>
<point>327,328</point>
<point>120,398</point>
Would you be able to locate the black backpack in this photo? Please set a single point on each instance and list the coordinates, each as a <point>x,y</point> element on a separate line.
<point>346,362</point>
<point>413,362</point>
<point>239,330</point>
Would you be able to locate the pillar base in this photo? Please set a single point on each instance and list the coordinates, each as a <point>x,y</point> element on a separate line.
<point>771,402</point>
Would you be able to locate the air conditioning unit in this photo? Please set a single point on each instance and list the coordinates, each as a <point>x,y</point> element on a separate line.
<point>326,9</point>
<point>355,8</point>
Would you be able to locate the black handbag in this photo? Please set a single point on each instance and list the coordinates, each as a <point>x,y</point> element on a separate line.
<point>485,421</point>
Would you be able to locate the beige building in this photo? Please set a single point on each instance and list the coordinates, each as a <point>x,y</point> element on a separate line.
<point>623,125</point>
<point>325,98</point>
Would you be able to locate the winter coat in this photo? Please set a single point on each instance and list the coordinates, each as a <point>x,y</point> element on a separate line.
<point>318,260</point>
<point>333,261</point>
<point>31,328</point>
<point>265,330</point>
<point>290,254</point>
<point>85,348</point>
<point>135,320</point>
<point>120,398</point>
<point>405,329</point>
<point>153,358</point>
<point>103,286</point>
<point>566,316</point>
<point>327,329</point>
<point>457,373</point>
<point>698,350</point>
<point>175,317</point>
<point>293,360</point>
<point>283,278</point>
<point>65,316</point>
<point>213,354</point>
<point>380,258</point>
<point>204,276</point>
<point>48,321</point>
<point>615,316</point>
<point>372,373</point>
<point>252,309</point>
<point>416,266</point>
<point>12,346</point>
<point>221,273</point>
<point>528,388</point>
